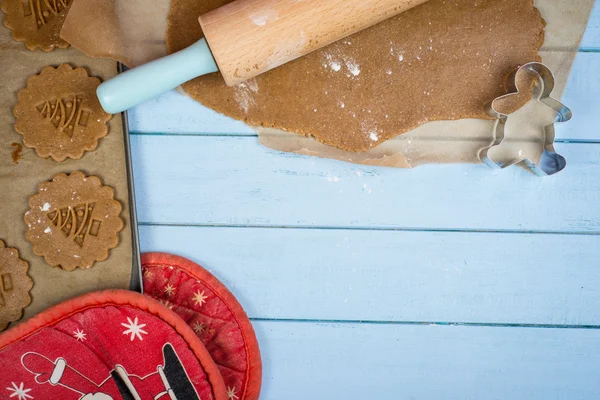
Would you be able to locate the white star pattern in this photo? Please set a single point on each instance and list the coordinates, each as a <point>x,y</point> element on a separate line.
<point>134,329</point>
<point>20,391</point>
<point>169,290</point>
<point>199,298</point>
<point>199,327</point>
<point>231,393</point>
<point>79,335</point>
<point>166,304</point>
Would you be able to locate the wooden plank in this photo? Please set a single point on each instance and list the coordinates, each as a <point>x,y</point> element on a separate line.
<point>236,181</point>
<point>397,276</point>
<point>325,361</point>
<point>173,113</point>
<point>582,97</point>
<point>591,39</point>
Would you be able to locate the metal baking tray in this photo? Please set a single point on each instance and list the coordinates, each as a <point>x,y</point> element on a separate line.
<point>136,283</point>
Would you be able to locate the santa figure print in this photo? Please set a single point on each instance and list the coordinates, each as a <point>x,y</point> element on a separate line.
<point>112,345</point>
<point>119,384</point>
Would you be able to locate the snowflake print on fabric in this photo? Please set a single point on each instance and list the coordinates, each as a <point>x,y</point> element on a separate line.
<point>19,391</point>
<point>214,315</point>
<point>199,327</point>
<point>108,345</point>
<point>231,393</point>
<point>79,334</point>
<point>166,304</point>
<point>199,298</point>
<point>134,329</point>
<point>169,290</point>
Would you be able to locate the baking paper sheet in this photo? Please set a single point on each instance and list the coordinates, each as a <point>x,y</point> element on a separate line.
<point>435,142</point>
<point>19,181</point>
<point>132,32</point>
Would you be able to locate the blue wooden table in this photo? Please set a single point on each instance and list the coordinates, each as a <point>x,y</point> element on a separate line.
<point>442,282</point>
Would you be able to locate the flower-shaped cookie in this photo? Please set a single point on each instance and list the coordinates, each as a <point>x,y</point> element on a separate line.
<point>15,285</point>
<point>37,22</point>
<point>73,221</point>
<point>58,113</point>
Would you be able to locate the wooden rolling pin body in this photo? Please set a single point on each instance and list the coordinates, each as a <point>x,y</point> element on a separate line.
<point>246,38</point>
<point>250,37</point>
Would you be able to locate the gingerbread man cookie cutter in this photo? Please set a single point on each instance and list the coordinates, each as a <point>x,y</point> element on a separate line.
<point>550,161</point>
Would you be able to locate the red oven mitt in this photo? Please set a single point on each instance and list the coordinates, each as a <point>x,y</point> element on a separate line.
<point>108,345</point>
<point>213,313</point>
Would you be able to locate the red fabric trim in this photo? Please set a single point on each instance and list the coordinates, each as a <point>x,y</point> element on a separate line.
<point>120,298</point>
<point>254,371</point>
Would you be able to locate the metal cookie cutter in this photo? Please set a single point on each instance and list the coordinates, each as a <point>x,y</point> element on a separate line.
<point>550,162</point>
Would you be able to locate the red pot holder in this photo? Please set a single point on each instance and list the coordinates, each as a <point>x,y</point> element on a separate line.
<point>213,313</point>
<point>109,345</point>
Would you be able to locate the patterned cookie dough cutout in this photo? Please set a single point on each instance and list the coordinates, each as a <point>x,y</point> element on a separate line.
<point>15,285</point>
<point>59,115</point>
<point>73,221</point>
<point>37,22</point>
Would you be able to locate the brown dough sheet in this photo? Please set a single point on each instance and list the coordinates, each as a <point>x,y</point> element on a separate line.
<point>444,60</point>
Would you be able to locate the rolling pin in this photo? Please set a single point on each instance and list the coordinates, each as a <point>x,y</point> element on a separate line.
<point>246,38</point>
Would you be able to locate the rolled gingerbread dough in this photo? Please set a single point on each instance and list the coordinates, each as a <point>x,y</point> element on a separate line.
<point>444,60</point>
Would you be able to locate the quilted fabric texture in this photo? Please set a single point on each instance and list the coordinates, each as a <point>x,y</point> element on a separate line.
<point>213,313</point>
<point>104,346</point>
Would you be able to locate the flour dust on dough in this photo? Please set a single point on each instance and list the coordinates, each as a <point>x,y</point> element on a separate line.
<point>443,60</point>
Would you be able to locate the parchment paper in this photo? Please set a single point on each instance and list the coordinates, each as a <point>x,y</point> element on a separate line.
<point>19,181</point>
<point>132,32</point>
<point>434,142</point>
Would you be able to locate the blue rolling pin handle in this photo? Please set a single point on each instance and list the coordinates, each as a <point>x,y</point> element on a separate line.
<point>156,77</point>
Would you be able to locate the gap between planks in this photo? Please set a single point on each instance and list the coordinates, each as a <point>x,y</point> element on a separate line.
<point>244,136</point>
<point>424,323</point>
<point>376,228</point>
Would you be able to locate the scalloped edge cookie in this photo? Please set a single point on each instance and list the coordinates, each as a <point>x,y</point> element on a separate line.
<point>73,221</point>
<point>15,285</point>
<point>37,24</point>
<point>58,113</point>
